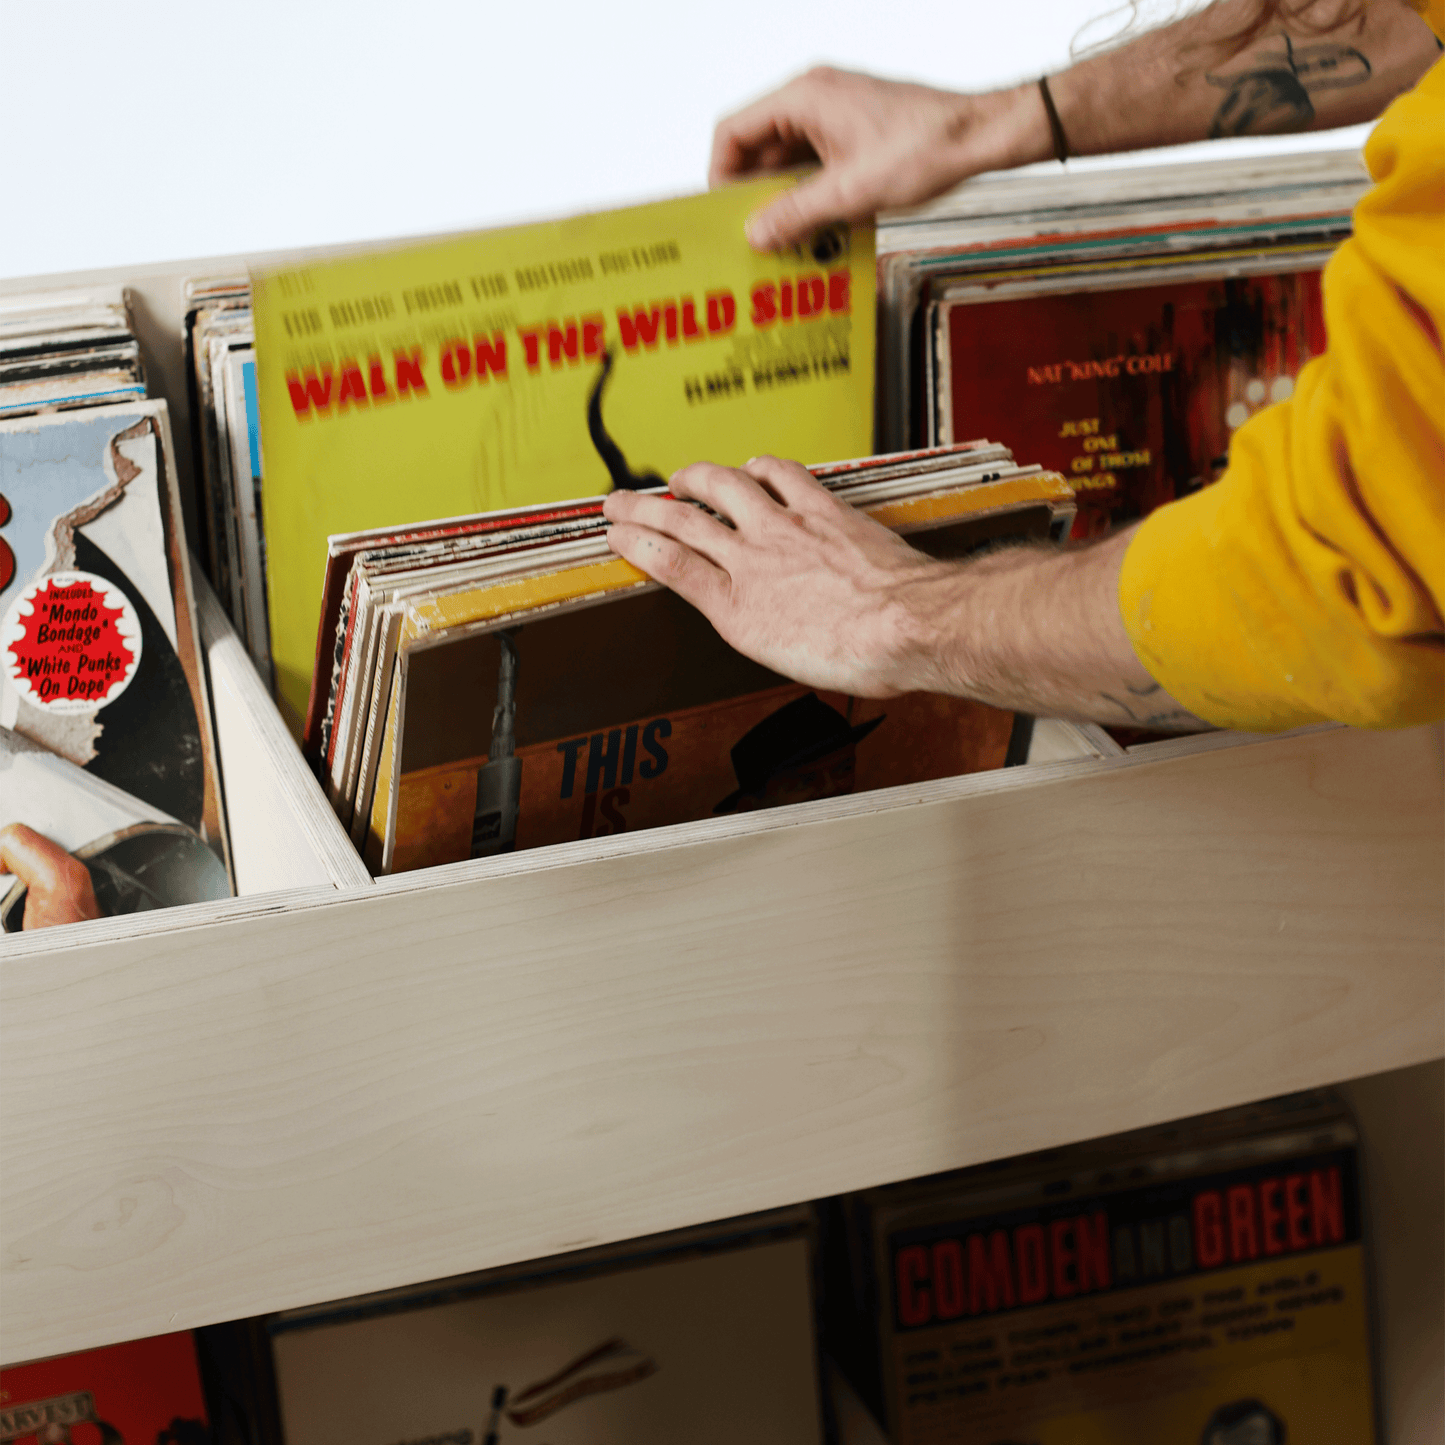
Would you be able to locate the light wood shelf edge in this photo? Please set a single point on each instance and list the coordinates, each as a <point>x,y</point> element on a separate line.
<point>283,832</point>
<point>404,1082</point>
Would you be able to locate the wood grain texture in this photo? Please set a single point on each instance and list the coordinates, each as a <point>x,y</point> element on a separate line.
<point>447,1072</point>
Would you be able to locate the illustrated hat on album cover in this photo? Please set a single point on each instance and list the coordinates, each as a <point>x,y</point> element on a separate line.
<point>801,732</point>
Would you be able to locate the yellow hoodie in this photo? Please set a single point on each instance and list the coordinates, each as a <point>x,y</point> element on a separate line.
<point>1309,582</point>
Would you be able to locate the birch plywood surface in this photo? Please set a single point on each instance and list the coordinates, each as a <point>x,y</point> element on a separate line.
<point>441,1074</point>
<point>283,833</point>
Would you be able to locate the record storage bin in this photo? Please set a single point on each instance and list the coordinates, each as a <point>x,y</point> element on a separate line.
<point>331,1085</point>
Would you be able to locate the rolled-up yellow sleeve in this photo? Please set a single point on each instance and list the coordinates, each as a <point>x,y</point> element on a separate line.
<point>1309,582</point>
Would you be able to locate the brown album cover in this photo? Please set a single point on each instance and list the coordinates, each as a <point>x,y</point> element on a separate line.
<point>671,727</point>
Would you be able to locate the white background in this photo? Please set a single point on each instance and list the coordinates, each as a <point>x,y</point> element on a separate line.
<point>157,130</point>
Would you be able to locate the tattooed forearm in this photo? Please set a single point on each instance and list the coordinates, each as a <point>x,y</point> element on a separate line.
<point>1316,66</point>
<point>1274,95</point>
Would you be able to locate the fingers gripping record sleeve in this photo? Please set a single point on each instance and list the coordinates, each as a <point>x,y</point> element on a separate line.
<point>542,363</point>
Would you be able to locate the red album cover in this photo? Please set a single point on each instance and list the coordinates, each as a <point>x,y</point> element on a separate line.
<point>1134,394</point>
<point>143,1392</point>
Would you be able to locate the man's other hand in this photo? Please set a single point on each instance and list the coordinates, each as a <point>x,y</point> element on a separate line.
<point>58,886</point>
<point>883,144</point>
<point>801,582</point>
<point>817,591</point>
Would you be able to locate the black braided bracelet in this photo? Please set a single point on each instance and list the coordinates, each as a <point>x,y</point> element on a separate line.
<point>1056,126</point>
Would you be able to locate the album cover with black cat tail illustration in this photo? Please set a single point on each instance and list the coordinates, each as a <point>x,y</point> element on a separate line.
<point>516,367</point>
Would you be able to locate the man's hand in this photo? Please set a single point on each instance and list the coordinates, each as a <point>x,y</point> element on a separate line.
<point>883,144</point>
<point>815,590</point>
<point>886,144</point>
<point>802,582</point>
<point>58,886</point>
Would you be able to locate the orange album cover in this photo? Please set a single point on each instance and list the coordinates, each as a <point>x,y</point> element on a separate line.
<point>786,744</point>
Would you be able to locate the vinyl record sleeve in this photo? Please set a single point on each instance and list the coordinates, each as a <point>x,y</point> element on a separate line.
<point>1132,392</point>
<point>100,658</point>
<point>1202,1281</point>
<point>544,363</point>
<point>711,1347</point>
<point>143,1392</point>
<point>1146,216</point>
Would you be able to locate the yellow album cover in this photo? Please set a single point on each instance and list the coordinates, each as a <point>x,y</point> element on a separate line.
<point>1215,1300</point>
<point>544,363</point>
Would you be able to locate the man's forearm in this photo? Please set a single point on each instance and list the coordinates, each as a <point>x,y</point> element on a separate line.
<point>1039,631</point>
<point>1179,83</point>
